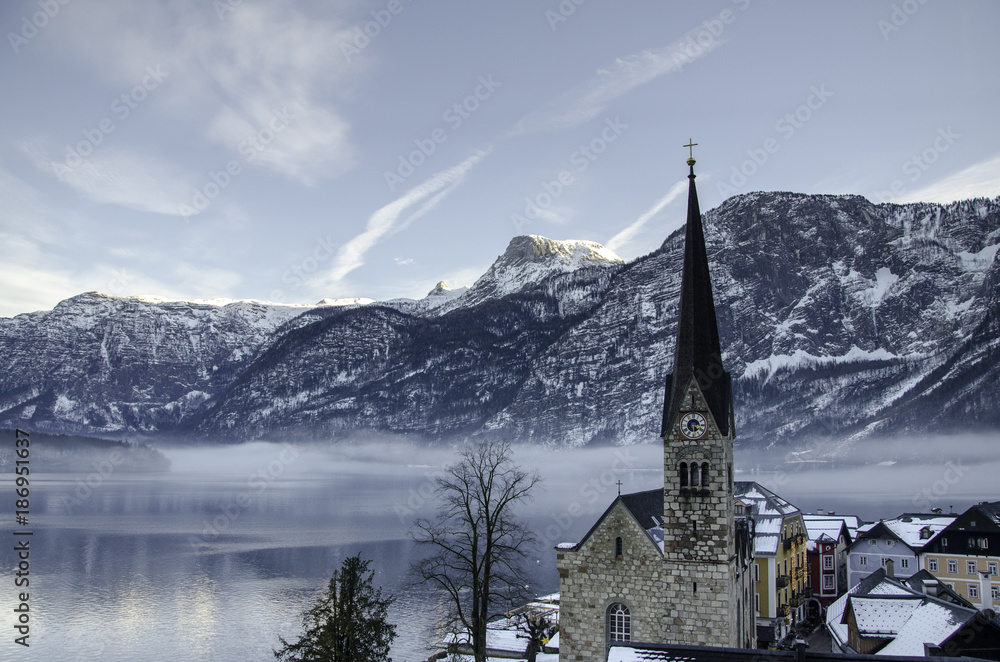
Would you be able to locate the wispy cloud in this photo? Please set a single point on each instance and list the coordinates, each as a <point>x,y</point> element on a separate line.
<point>351,255</point>
<point>629,232</point>
<point>589,100</point>
<point>979,180</point>
<point>120,177</point>
<point>262,82</point>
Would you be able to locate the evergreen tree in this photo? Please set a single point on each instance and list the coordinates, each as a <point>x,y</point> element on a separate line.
<point>347,624</point>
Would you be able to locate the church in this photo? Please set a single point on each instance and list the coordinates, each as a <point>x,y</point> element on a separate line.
<point>671,566</point>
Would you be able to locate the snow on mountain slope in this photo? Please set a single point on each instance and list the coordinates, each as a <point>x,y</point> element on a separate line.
<point>839,318</point>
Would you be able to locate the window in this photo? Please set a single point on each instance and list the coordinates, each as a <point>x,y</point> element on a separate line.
<point>885,561</point>
<point>756,568</point>
<point>952,566</point>
<point>828,582</point>
<point>619,623</point>
<point>618,547</point>
<point>863,561</point>
<point>995,592</point>
<point>932,565</point>
<point>973,591</point>
<point>695,475</point>
<point>828,563</point>
<point>683,471</point>
<point>890,543</point>
<point>756,600</point>
<point>944,541</point>
<point>991,567</point>
<point>872,542</point>
<point>704,474</point>
<point>970,567</point>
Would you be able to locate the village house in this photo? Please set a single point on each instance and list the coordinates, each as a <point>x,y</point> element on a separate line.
<point>901,540</point>
<point>828,539</point>
<point>966,554</point>
<point>780,576</point>
<point>884,615</point>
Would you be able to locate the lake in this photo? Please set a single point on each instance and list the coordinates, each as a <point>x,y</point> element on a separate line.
<point>216,559</point>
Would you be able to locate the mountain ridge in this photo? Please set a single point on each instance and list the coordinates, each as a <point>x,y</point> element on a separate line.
<point>839,319</point>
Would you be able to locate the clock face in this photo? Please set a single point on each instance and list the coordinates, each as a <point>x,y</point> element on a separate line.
<point>693,425</point>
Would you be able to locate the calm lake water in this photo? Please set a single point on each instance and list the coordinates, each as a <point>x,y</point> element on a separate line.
<point>216,559</point>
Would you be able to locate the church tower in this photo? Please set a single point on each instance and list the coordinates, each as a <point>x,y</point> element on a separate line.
<point>699,528</point>
<point>672,565</point>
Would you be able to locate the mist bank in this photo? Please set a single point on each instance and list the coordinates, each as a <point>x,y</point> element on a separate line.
<point>55,453</point>
<point>880,478</point>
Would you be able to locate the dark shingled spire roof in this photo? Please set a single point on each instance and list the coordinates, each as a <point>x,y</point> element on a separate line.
<point>698,351</point>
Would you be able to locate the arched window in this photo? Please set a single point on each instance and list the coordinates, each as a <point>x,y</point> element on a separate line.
<point>684,470</point>
<point>618,547</point>
<point>619,623</point>
<point>704,474</point>
<point>695,479</point>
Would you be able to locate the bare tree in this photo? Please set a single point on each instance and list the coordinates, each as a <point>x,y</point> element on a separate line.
<point>477,545</point>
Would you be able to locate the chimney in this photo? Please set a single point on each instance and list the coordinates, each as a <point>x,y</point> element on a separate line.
<point>985,590</point>
<point>890,569</point>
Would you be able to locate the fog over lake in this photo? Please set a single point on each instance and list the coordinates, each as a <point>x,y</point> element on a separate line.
<point>217,558</point>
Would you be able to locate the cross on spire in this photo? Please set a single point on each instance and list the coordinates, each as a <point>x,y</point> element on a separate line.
<point>619,488</point>
<point>691,145</point>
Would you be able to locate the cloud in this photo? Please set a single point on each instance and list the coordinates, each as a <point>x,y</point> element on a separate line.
<point>590,99</point>
<point>121,177</point>
<point>350,256</point>
<point>629,232</point>
<point>262,71</point>
<point>266,60</point>
<point>979,180</point>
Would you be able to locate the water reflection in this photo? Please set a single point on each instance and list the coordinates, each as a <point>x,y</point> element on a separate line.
<point>205,564</point>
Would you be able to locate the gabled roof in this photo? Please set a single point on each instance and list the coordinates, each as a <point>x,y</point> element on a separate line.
<point>907,529</point>
<point>890,609</point>
<point>880,616</point>
<point>645,507</point>
<point>769,512</point>
<point>698,352</point>
<point>827,525</point>
<point>990,510</point>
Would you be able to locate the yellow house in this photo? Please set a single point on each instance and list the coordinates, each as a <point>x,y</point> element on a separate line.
<point>780,571</point>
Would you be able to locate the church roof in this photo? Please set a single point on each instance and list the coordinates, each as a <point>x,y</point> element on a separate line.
<point>698,351</point>
<point>647,509</point>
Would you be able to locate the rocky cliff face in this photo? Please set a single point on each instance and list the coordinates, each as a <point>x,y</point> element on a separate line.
<point>839,318</point>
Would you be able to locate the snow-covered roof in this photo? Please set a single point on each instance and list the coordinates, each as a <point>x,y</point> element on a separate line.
<point>874,584</point>
<point>829,525</point>
<point>930,622</point>
<point>882,616</point>
<point>908,528</point>
<point>769,513</point>
<point>622,654</point>
<point>886,608</point>
<point>508,640</point>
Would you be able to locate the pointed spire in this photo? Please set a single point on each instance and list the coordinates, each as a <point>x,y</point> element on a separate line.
<point>698,351</point>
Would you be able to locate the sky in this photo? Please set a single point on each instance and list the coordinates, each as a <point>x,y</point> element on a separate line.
<point>294,151</point>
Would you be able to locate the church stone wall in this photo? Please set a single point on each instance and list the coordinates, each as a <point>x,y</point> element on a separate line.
<point>591,578</point>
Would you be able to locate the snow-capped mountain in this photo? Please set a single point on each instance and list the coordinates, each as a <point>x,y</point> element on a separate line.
<point>839,318</point>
